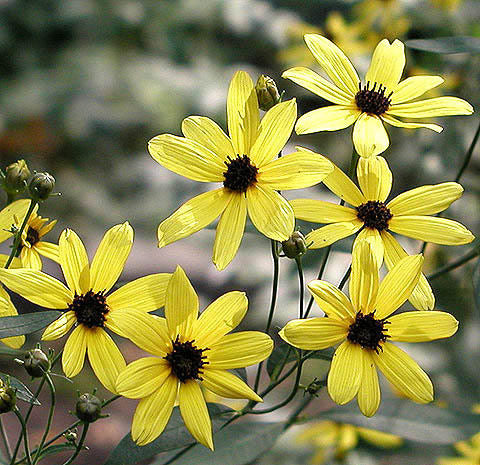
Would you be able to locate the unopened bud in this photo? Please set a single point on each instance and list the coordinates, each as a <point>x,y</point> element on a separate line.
<point>295,246</point>
<point>267,93</point>
<point>70,435</point>
<point>88,408</point>
<point>41,186</point>
<point>16,175</point>
<point>8,397</point>
<point>36,363</point>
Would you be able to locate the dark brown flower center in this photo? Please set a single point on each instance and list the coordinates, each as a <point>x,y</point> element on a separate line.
<point>367,331</point>
<point>374,214</point>
<point>33,236</point>
<point>373,101</point>
<point>90,309</point>
<point>240,174</point>
<point>186,360</point>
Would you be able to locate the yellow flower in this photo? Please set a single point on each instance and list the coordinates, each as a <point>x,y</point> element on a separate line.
<point>124,311</point>
<point>245,164</point>
<point>190,352</point>
<point>406,214</point>
<point>367,106</point>
<point>470,451</point>
<point>364,326</point>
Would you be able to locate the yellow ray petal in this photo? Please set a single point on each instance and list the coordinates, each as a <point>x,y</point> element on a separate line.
<point>49,250</point>
<point>387,64</point>
<point>142,377</point>
<point>426,200</point>
<point>8,309</point>
<point>59,327</point>
<point>187,158</point>
<point>431,229</point>
<point>239,350</point>
<point>318,85</point>
<point>414,87</point>
<point>30,258</point>
<point>374,178</point>
<point>74,262</point>
<point>421,326</point>
<point>314,333</point>
<point>110,258</point>
<point>379,438</point>
<point>373,237</point>
<point>331,118</point>
<point>16,262</point>
<point>369,391</point>
<point>439,106</point>
<point>345,373</point>
<point>270,213</point>
<point>369,136</point>
<point>227,385</point>
<point>192,216</point>
<point>194,413</point>
<point>331,233</point>
<point>342,186</point>
<point>332,300</point>
<point>388,118</point>
<point>14,342</point>
<point>12,214</point>
<point>404,373</point>
<point>74,352</point>
<point>230,230</point>
<point>319,211</point>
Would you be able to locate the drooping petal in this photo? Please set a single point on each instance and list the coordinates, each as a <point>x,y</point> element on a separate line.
<point>438,106</point>
<point>192,216</point>
<point>194,412</point>
<point>227,385</point>
<point>332,300</point>
<point>414,87</point>
<point>270,213</point>
<point>373,237</point>
<point>369,135</point>
<point>374,178</point>
<point>319,211</point>
<point>369,391</point>
<point>342,186</point>
<point>387,64</point>
<point>331,118</point>
<point>187,158</point>
<point>426,200</point>
<point>274,131</point>
<point>30,258</point>
<point>230,230</point>
<point>47,249</point>
<point>110,258</point>
<point>74,262</point>
<point>12,214</point>
<point>74,352</point>
<point>331,233</point>
<point>404,373</point>
<point>388,118</point>
<point>421,326</point>
<point>59,327</point>
<point>431,229</point>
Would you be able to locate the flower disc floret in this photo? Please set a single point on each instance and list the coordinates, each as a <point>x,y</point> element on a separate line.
<point>33,236</point>
<point>240,174</point>
<point>90,309</point>
<point>373,101</point>
<point>186,360</point>
<point>374,214</point>
<point>367,331</point>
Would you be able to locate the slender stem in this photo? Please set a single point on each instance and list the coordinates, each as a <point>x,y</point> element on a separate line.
<point>6,443</point>
<point>179,454</point>
<point>345,278</point>
<point>24,433</point>
<point>50,417</point>
<point>79,445</point>
<point>457,263</point>
<point>293,417</point>
<point>301,283</point>
<point>282,365</point>
<point>320,274</point>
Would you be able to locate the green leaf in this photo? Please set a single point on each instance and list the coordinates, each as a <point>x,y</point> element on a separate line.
<point>4,350</point>
<point>175,436</point>
<point>26,324</point>
<point>416,422</point>
<point>446,45</point>
<point>52,450</point>
<point>23,393</point>
<point>476,283</point>
<point>237,444</point>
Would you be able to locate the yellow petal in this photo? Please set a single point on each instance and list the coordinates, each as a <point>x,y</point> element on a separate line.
<point>110,258</point>
<point>274,132</point>
<point>239,350</point>
<point>369,135</point>
<point>59,327</point>
<point>331,118</point>
<point>192,216</point>
<point>426,200</point>
<point>398,284</point>
<point>227,385</point>
<point>37,287</point>
<point>369,391</point>
<point>8,309</point>
<point>74,352</point>
<point>431,229</point>
<point>331,233</point>
<point>387,64</point>
<point>15,264</point>
<point>345,373</point>
<point>194,413</point>
<point>74,262</point>
<point>181,306</point>
<point>439,106</point>
<point>342,186</point>
<point>14,342</point>
<point>373,237</point>
<point>334,63</point>
<point>319,211</point>
<point>421,326</point>
<point>142,377</point>
<point>146,293</point>
<point>318,85</point>
<point>12,214</point>
<point>30,258</point>
<point>374,178</point>
<point>347,439</point>
<point>220,317</point>
<point>270,213</point>
<point>404,373</point>
<point>230,230</point>
<point>314,333</point>
<point>379,438</point>
<point>187,158</point>
<point>295,170</point>
<point>242,112</point>
<point>332,300</point>
<point>105,358</point>
<point>414,87</point>
<point>48,250</point>
<point>402,124</point>
<point>153,412</point>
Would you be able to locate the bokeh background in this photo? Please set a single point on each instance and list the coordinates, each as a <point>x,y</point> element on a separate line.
<point>86,83</point>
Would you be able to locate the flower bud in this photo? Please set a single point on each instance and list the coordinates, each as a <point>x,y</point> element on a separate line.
<point>295,246</point>
<point>88,408</point>
<point>267,92</point>
<point>71,435</point>
<point>41,186</point>
<point>8,397</point>
<point>36,363</point>
<point>16,175</point>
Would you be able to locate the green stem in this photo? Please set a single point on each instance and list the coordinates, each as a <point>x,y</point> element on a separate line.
<point>79,445</point>
<point>6,443</point>
<point>301,283</point>
<point>293,417</point>
<point>50,417</point>
<point>320,274</point>
<point>24,433</point>
<point>457,263</point>
<point>345,278</point>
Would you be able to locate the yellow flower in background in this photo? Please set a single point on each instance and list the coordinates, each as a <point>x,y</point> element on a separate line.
<point>247,166</point>
<point>337,439</point>
<point>190,352</point>
<point>363,326</point>
<point>406,214</point>
<point>89,309</point>
<point>367,106</point>
<point>469,451</point>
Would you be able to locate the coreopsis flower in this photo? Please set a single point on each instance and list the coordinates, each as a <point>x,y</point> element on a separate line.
<point>190,352</point>
<point>364,326</point>
<point>382,97</point>
<point>406,214</point>
<point>469,451</point>
<point>88,307</point>
<point>245,163</point>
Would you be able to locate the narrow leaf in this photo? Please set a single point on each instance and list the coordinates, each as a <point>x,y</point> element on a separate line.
<point>23,393</point>
<point>53,450</point>
<point>26,324</point>
<point>446,45</point>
